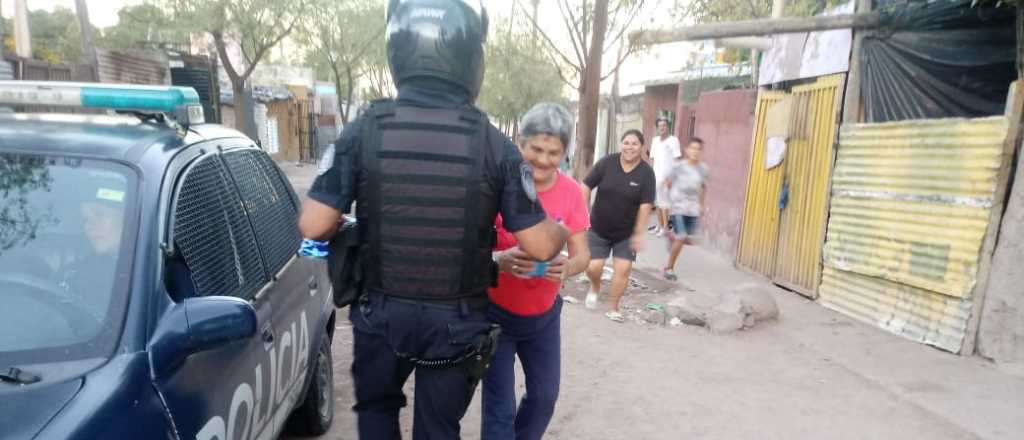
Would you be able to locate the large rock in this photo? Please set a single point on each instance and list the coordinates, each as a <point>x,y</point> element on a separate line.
<point>654,316</point>
<point>728,316</point>
<point>759,300</point>
<point>692,309</point>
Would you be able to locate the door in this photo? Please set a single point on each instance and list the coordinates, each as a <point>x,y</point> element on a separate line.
<point>225,393</point>
<point>786,209</point>
<point>272,208</point>
<point>808,170</point>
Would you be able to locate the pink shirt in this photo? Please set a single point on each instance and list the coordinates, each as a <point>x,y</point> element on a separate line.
<point>563,202</point>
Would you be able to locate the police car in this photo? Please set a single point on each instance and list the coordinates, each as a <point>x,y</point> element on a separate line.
<point>150,286</point>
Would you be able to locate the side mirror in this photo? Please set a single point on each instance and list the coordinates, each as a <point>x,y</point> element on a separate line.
<point>199,324</point>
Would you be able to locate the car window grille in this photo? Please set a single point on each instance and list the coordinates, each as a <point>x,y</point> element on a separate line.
<point>270,204</point>
<point>214,236</point>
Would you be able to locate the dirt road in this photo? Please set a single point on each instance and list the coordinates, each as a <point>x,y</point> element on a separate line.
<point>813,374</point>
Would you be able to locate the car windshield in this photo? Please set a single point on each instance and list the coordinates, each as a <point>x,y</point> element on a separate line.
<point>64,256</point>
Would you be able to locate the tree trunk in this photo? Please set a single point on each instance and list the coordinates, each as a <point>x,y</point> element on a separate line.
<point>243,111</point>
<point>590,90</point>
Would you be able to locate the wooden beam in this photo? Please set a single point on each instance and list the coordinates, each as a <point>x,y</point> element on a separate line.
<point>853,102</point>
<point>755,28</point>
<point>759,43</point>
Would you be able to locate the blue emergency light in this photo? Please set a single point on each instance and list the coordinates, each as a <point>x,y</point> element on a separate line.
<point>181,103</point>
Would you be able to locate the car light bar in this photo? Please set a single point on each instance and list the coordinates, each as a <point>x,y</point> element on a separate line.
<point>180,102</point>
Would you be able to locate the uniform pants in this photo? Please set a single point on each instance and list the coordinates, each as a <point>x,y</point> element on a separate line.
<point>383,326</point>
<point>537,342</point>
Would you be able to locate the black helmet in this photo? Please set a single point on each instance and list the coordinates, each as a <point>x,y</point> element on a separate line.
<point>438,38</point>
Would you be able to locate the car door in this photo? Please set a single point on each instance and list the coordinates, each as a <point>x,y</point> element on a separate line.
<point>273,210</point>
<point>226,393</point>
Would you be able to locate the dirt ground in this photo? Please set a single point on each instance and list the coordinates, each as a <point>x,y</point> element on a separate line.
<point>812,374</point>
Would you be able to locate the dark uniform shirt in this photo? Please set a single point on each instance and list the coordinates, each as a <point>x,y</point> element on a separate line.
<point>336,185</point>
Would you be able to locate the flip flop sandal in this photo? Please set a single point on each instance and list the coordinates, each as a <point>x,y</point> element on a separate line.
<point>570,299</point>
<point>615,316</point>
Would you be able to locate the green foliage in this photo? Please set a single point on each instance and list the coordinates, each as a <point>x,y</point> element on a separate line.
<point>343,41</point>
<point>55,35</point>
<point>518,76</point>
<point>141,26</point>
<point>256,25</point>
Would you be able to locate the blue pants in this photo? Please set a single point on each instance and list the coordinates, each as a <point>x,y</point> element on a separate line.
<point>383,326</point>
<point>537,341</point>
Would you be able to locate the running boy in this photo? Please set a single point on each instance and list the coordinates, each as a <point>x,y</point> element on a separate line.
<point>685,183</point>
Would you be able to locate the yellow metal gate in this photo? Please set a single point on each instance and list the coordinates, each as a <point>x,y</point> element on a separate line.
<point>759,232</point>
<point>784,240</point>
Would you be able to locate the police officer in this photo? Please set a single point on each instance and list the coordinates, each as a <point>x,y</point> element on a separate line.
<point>428,173</point>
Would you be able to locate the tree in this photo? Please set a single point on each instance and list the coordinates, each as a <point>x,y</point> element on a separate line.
<point>141,26</point>
<point>518,75</point>
<point>338,35</point>
<point>256,26</point>
<point>55,35</point>
<point>592,29</point>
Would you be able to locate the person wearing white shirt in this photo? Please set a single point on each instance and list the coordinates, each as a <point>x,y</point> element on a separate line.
<point>664,153</point>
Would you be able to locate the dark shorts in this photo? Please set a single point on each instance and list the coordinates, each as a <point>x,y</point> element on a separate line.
<point>684,224</point>
<point>601,247</point>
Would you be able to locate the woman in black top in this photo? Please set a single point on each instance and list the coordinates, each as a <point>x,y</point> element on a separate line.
<point>625,196</point>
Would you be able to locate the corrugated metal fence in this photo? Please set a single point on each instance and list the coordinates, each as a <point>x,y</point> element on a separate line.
<point>120,67</point>
<point>910,208</point>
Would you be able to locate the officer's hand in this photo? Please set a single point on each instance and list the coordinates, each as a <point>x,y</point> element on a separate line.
<point>557,269</point>
<point>515,262</point>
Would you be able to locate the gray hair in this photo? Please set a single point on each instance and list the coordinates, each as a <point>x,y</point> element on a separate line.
<point>547,118</point>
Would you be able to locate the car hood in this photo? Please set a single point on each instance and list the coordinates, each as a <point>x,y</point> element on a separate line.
<point>26,409</point>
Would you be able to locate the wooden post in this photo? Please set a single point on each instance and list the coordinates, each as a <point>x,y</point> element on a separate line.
<point>750,28</point>
<point>852,100</point>
<point>22,36</point>
<point>1014,132</point>
<point>88,48</point>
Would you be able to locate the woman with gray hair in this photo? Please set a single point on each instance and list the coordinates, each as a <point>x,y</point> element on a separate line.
<point>526,302</point>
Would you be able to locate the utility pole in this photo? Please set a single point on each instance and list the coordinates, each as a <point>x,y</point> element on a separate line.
<point>22,36</point>
<point>88,48</point>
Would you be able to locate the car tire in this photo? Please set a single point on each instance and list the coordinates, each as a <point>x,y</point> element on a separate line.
<point>316,413</point>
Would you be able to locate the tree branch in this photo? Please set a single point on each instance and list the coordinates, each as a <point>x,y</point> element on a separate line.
<point>618,63</point>
<point>570,26</point>
<point>622,32</point>
<point>552,46</point>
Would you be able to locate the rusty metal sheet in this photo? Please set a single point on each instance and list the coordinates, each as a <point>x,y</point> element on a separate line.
<point>759,231</point>
<point>808,165</point>
<point>911,200</point>
<point>125,68</point>
<point>917,314</point>
<point>909,212</point>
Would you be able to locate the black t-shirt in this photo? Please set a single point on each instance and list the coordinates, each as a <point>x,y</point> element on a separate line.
<point>337,184</point>
<point>619,196</point>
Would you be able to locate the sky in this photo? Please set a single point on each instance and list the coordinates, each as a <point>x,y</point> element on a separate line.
<point>659,61</point>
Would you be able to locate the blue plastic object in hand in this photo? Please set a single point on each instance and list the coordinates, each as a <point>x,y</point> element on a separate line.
<point>539,269</point>
<point>313,248</point>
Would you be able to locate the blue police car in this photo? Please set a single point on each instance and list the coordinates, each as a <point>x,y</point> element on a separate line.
<point>150,286</point>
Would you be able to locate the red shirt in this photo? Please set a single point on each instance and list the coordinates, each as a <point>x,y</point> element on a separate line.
<point>563,202</point>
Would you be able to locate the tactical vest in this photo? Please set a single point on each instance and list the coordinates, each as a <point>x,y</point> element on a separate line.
<point>425,211</point>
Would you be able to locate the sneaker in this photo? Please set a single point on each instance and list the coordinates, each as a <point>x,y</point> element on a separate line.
<point>669,274</point>
<point>570,299</point>
<point>615,316</point>
<point>591,301</point>
<point>660,233</point>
